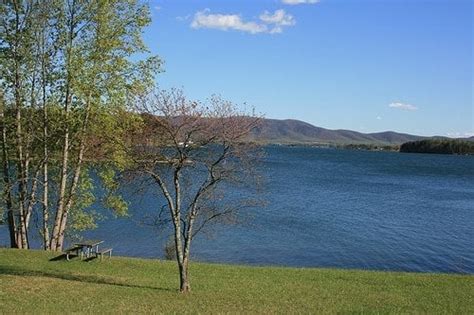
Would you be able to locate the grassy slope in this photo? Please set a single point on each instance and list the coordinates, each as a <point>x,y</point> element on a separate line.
<point>30,282</point>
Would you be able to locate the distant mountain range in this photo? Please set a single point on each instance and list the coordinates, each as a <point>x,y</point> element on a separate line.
<point>290,131</point>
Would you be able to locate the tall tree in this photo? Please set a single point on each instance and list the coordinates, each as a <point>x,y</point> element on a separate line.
<point>68,67</point>
<point>18,84</point>
<point>191,151</point>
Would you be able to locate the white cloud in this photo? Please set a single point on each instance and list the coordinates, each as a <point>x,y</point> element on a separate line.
<point>204,19</point>
<point>280,18</point>
<point>296,2</point>
<point>403,106</point>
<point>379,118</point>
<point>157,7</point>
<point>269,23</point>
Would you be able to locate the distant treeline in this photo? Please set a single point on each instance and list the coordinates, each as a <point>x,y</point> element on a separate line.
<point>369,147</point>
<point>440,146</point>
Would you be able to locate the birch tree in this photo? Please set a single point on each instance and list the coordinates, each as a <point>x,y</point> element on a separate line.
<point>101,37</point>
<point>18,79</point>
<point>68,67</point>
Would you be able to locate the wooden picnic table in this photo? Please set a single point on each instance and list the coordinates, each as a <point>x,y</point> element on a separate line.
<point>89,246</point>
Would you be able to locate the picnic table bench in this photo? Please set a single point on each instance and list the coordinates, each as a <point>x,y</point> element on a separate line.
<point>102,252</point>
<point>88,249</point>
<point>73,250</point>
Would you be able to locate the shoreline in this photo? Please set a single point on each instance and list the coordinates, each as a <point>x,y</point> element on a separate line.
<point>263,266</point>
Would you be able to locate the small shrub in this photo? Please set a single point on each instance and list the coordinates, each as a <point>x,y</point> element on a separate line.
<point>170,250</point>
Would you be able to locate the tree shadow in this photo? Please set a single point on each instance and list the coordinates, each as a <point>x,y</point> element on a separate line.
<point>9,270</point>
<point>63,257</point>
<point>60,257</point>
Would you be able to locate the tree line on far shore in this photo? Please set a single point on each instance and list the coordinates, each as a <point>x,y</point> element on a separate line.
<point>439,146</point>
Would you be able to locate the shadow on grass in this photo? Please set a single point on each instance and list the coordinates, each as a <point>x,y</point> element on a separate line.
<point>60,257</point>
<point>63,257</point>
<point>9,270</point>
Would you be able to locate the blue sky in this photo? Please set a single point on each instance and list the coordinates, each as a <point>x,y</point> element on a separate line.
<point>402,65</point>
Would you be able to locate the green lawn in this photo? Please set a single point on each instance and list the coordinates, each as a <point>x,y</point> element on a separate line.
<point>30,282</point>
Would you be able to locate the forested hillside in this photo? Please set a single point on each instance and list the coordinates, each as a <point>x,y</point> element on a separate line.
<point>440,146</point>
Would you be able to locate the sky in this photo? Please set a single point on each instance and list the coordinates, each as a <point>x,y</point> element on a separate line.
<point>364,65</point>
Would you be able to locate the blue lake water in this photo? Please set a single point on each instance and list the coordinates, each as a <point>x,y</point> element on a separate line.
<point>334,208</point>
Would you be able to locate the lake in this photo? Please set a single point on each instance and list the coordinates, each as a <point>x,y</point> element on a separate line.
<point>334,208</point>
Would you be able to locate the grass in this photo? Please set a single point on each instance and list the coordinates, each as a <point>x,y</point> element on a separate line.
<point>30,282</point>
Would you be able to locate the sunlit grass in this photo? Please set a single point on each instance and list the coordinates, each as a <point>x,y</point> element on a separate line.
<point>30,282</point>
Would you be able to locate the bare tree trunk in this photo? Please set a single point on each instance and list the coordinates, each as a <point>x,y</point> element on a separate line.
<point>45,202</point>
<point>63,181</point>
<point>32,197</point>
<point>22,231</point>
<point>184,286</point>
<point>76,178</point>
<point>7,182</point>
<point>175,212</point>
<point>55,245</point>
<point>188,236</point>
<point>46,242</point>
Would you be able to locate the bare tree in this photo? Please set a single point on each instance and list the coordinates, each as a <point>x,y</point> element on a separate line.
<point>193,151</point>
